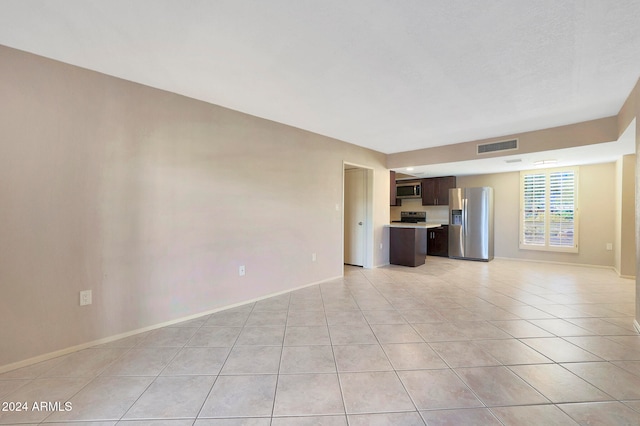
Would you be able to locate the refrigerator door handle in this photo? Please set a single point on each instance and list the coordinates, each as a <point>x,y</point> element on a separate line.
<point>464,217</point>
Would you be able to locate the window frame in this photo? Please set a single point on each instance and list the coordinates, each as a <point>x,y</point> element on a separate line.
<point>547,211</point>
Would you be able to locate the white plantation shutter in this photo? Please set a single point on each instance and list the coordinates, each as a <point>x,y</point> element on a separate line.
<point>548,210</point>
<point>561,209</point>
<point>534,209</point>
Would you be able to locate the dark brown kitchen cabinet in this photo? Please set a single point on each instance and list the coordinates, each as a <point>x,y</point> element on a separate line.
<point>438,241</point>
<point>407,246</point>
<point>435,191</point>
<point>393,201</point>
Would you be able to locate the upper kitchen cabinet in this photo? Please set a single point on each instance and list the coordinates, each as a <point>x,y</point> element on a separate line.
<point>393,201</point>
<point>435,191</point>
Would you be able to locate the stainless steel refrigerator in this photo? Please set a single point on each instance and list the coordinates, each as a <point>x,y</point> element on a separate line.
<point>471,223</point>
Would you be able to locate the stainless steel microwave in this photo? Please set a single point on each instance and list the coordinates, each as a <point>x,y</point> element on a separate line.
<point>408,189</point>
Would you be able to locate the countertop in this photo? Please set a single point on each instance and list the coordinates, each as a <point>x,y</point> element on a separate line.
<point>421,225</point>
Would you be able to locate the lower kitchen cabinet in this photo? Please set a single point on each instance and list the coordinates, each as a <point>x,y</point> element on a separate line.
<point>408,246</point>
<point>438,241</point>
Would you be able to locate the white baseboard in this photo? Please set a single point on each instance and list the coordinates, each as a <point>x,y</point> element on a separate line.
<point>629,277</point>
<point>586,265</point>
<point>71,349</point>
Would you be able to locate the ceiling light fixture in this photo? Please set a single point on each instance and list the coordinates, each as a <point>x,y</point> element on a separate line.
<point>544,162</point>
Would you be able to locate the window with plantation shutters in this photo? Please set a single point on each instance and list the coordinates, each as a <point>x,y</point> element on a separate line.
<point>534,208</point>
<point>548,210</point>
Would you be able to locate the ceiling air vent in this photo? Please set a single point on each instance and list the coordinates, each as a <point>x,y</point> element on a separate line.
<point>509,145</point>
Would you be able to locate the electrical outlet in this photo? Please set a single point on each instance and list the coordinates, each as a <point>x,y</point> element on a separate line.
<point>85,297</point>
<point>241,270</point>
<point>609,246</point>
<point>313,257</point>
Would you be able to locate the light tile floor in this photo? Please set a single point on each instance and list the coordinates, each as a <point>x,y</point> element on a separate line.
<point>448,343</point>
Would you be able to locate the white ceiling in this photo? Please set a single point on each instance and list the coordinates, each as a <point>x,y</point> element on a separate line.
<point>389,75</point>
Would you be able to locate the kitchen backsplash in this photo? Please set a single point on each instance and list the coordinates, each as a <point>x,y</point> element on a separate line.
<point>434,213</point>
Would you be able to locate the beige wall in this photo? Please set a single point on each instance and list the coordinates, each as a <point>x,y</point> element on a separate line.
<point>585,133</point>
<point>596,221</point>
<point>628,245</point>
<point>152,200</point>
<point>630,111</point>
<point>625,253</point>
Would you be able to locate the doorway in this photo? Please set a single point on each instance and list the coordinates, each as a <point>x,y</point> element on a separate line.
<point>357,215</point>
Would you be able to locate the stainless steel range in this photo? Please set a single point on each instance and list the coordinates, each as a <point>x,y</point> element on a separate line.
<point>412,217</point>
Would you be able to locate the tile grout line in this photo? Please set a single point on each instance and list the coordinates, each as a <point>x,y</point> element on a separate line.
<point>395,371</point>
<point>284,336</point>
<point>333,353</point>
<point>204,402</point>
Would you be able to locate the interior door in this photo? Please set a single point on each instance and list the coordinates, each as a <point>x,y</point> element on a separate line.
<point>354,216</point>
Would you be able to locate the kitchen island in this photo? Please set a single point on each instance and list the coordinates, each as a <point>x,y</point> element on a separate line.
<point>408,242</point>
